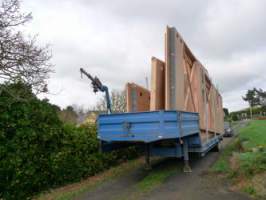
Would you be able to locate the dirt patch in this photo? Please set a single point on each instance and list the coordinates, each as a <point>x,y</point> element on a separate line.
<point>255,187</point>
<point>234,161</point>
<point>259,183</point>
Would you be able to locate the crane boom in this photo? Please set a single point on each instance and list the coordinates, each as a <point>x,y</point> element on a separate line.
<point>97,85</point>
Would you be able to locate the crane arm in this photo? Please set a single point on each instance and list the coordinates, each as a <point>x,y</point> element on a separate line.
<point>97,85</point>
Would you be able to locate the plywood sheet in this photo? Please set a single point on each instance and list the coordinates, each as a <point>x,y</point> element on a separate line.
<point>157,84</point>
<point>137,97</point>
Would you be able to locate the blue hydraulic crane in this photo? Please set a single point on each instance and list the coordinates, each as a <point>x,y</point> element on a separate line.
<point>97,85</point>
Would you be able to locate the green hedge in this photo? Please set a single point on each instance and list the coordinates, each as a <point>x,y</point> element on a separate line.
<point>38,151</point>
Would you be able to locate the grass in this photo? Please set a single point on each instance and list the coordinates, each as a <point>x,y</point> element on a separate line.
<point>162,170</point>
<point>71,191</point>
<point>155,178</point>
<point>254,135</point>
<point>151,180</point>
<point>250,190</point>
<point>223,165</point>
<point>245,157</point>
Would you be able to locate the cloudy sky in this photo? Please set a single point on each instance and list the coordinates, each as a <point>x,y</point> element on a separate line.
<point>116,39</point>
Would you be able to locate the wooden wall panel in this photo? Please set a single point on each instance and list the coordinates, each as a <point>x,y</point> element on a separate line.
<point>137,98</point>
<point>188,86</point>
<point>174,80</point>
<point>157,84</point>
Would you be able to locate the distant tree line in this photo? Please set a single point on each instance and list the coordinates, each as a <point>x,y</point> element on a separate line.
<point>256,99</point>
<point>77,114</point>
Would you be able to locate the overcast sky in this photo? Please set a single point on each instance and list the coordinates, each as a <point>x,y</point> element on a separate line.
<point>116,39</point>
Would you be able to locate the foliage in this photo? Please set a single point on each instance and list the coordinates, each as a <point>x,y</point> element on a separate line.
<point>29,132</point>
<point>75,190</point>
<point>118,99</point>
<point>262,96</point>
<point>249,148</point>
<point>245,113</point>
<point>222,165</point>
<point>21,57</point>
<point>252,98</point>
<point>68,115</point>
<point>246,156</point>
<point>38,151</point>
<point>255,97</point>
<point>251,163</point>
<point>250,190</point>
<point>226,112</point>
<point>234,117</point>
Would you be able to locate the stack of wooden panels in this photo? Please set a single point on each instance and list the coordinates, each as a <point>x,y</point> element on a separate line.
<point>180,83</point>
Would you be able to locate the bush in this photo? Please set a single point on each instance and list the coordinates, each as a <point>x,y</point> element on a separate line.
<point>38,151</point>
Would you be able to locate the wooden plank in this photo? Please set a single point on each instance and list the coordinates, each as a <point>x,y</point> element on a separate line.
<point>189,92</point>
<point>157,84</point>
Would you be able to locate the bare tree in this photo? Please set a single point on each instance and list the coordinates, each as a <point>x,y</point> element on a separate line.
<point>118,99</point>
<point>20,57</point>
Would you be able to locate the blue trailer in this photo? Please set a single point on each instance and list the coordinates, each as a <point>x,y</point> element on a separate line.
<point>168,133</point>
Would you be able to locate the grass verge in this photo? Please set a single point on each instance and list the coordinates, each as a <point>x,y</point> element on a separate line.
<point>244,160</point>
<point>155,178</point>
<point>71,191</point>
